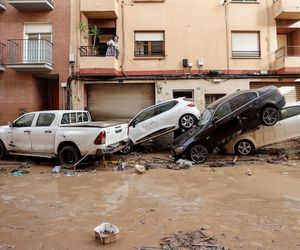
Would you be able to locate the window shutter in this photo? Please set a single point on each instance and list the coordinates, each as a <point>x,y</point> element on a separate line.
<point>149,36</point>
<point>37,28</point>
<point>245,44</point>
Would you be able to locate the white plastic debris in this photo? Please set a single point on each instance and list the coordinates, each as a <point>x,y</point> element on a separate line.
<point>184,163</point>
<point>106,233</point>
<point>56,169</point>
<point>140,169</point>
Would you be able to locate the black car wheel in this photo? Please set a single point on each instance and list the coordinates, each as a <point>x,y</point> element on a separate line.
<point>68,156</point>
<point>198,153</point>
<point>244,147</point>
<point>269,116</point>
<point>127,149</point>
<point>2,150</point>
<point>187,121</point>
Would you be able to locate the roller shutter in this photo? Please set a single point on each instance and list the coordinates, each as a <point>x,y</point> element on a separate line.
<point>120,101</point>
<point>291,91</point>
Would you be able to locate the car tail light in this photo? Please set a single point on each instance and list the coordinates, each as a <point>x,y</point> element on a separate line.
<point>191,105</point>
<point>100,138</point>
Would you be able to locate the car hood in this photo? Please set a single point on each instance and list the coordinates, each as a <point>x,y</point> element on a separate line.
<point>186,136</point>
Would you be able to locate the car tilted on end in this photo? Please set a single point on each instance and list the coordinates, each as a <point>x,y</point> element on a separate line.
<point>223,119</point>
<point>285,129</point>
<point>66,134</point>
<point>161,119</point>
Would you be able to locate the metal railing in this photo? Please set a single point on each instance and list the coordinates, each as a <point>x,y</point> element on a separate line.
<point>97,51</point>
<point>2,45</point>
<point>2,2</point>
<point>26,51</point>
<point>286,51</point>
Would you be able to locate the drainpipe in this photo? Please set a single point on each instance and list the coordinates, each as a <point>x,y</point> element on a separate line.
<point>226,2</point>
<point>71,78</point>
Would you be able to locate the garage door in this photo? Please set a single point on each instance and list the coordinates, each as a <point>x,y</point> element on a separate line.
<point>119,101</point>
<point>290,91</point>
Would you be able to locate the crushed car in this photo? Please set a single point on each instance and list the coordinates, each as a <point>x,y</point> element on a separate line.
<point>161,119</point>
<point>224,118</point>
<point>285,129</point>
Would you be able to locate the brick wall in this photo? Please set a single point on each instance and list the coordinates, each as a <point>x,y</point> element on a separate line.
<point>22,90</point>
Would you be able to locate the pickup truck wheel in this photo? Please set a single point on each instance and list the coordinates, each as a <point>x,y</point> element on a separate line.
<point>127,149</point>
<point>187,121</point>
<point>68,156</point>
<point>2,150</point>
<point>198,153</point>
<point>244,147</point>
<point>269,116</point>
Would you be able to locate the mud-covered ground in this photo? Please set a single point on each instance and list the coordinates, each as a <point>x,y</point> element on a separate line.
<point>252,204</point>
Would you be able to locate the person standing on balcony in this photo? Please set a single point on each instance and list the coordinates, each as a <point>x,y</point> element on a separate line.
<point>113,47</point>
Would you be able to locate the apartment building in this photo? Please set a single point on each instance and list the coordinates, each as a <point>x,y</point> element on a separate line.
<point>34,56</point>
<point>199,49</point>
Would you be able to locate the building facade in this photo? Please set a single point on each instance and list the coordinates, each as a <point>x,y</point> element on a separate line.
<point>198,49</point>
<point>34,56</point>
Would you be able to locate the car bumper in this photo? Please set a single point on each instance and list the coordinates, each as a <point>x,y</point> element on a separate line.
<point>110,149</point>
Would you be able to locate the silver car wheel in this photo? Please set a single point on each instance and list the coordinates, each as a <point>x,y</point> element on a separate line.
<point>269,116</point>
<point>187,121</point>
<point>244,147</point>
<point>198,153</point>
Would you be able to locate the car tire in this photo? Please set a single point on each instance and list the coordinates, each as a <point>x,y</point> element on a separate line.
<point>244,147</point>
<point>269,116</point>
<point>68,156</point>
<point>198,153</point>
<point>187,121</point>
<point>3,151</point>
<point>127,149</point>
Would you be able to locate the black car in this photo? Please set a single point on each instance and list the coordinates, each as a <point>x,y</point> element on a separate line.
<point>222,119</point>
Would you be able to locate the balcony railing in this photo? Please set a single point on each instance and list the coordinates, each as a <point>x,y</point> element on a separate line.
<point>288,51</point>
<point>2,5</point>
<point>32,4</point>
<point>97,51</point>
<point>30,52</point>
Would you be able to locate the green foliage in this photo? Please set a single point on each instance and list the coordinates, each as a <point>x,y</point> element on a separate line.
<point>95,33</point>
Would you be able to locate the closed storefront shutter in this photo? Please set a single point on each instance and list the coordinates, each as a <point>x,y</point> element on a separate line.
<point>119,101</point>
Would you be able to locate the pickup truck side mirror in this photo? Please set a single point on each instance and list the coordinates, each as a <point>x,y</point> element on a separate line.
<point>134,123</point>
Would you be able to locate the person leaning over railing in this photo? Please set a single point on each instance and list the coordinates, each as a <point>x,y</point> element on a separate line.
<point>113,47</point>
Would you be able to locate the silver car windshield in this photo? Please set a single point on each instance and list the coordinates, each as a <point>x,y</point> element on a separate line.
<point>205,117</point>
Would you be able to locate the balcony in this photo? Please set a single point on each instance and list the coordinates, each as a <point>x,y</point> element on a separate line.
<point>94,62</point>
<point>287,9</point>
<point>29,55</point>
<point>288,60</point>
<point>2,68</point>
<point>32,4</point>
<point>99,9</point>
<point>2,5</point>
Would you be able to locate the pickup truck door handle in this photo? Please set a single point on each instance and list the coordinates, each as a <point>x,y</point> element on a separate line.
<point>118,130</point>
<point>26,131</point>
<point>48,131</point>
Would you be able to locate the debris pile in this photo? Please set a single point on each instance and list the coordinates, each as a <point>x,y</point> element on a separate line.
<point>196,240</point>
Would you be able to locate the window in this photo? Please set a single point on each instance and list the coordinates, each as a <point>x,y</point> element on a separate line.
<point>24,121</point>
<point>85,117</point>
<point>166,106</point>
<point>210,98</point>
<point>37,43</point>
<point>145,115</point>
<point>240,100</point>
<point>245,44</point>
<point>73,117</point>
<point>65,119</point>
<point>244,1</point>
<point>223,110</point>
<point>149,44</point>
<point>188,94</point>
<point>45,120</point>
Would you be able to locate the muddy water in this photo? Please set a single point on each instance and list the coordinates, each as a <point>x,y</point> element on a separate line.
<point>46,211</point>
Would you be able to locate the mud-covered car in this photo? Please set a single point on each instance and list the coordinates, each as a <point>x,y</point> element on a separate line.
<point>285,129</point>
<point>224,118</point>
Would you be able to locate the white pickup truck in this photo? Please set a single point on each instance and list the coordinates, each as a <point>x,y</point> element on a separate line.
<point>66,134</point>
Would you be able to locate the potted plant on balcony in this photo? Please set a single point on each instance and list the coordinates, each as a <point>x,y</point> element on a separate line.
<point>95,33</point>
